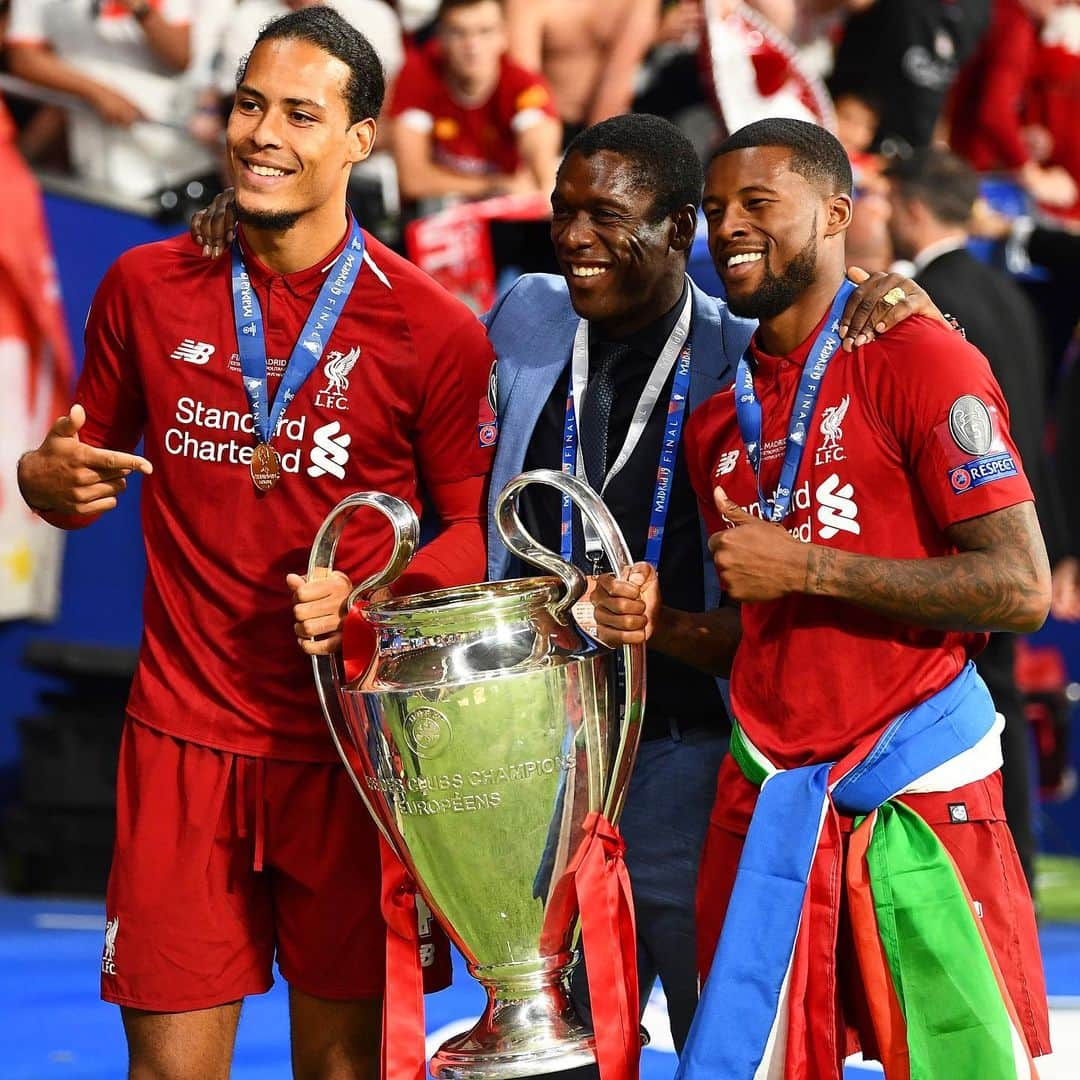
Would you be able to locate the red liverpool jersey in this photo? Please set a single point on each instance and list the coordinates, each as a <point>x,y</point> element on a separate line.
<point>392,404</point>
<point>909,436</point>
<point>470,138</point>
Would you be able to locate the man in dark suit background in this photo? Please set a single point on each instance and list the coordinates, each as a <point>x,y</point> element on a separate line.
<point>932,196</point>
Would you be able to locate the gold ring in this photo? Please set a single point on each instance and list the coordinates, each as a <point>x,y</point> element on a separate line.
<point>893,296</point>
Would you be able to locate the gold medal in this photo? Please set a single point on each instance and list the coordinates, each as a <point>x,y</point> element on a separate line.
<point>265,466</point>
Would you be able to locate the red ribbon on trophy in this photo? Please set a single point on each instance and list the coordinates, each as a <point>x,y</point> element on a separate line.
<point>609,934</point>
<point>403,1047</point>
<point>601,889</point>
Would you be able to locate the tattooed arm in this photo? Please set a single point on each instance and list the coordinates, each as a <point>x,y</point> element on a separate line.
<point>998,580</point>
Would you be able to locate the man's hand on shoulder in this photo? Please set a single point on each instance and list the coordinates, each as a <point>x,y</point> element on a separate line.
<point>879,302</point>
<point>214,226</point>
<point>319,609</point>
<point>67,476</point>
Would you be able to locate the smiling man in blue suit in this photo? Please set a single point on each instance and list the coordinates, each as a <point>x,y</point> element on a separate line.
<point>596,372</point>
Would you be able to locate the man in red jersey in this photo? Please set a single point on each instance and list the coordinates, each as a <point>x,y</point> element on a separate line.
<point>467,120</point>
<point>870,516</point>
<point>335,366</point>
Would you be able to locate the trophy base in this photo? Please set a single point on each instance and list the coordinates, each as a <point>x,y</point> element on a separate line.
<point>531,1037</point>
<point>447,1065</point>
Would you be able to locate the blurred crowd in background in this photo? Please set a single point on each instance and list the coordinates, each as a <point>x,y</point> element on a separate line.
<point>961,118</point>
<point>131,98</point>
<point>483,94</point>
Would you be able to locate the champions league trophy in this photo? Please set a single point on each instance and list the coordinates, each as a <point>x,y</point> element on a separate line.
<point>486,729</point>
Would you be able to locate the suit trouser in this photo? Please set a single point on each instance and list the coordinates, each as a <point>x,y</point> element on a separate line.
<point>664,824</point>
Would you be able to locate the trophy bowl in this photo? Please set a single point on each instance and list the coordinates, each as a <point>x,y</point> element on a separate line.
<point>486,730</point>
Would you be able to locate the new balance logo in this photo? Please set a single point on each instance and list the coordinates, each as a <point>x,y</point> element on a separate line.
<point>107,965</point>
<point>194,352</point>
<point>727,462</point>
<point>837,510</point>
<point>329,454</point>
<point>424,917</point>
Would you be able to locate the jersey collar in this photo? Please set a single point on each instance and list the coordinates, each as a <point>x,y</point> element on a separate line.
<point>304,281</point>
<point>768,367</point>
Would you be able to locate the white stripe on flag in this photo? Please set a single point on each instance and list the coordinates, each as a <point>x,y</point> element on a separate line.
<point>774,1059</point>
<point>775,1056</point>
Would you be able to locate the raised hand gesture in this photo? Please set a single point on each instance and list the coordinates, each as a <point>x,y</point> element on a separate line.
<point>756,560</point>
<point>68,476</point>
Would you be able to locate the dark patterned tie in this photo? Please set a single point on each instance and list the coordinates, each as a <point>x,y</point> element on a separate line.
<point>596,410</point>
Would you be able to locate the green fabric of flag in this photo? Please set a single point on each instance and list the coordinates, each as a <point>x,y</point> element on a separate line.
<point>957,1023</point>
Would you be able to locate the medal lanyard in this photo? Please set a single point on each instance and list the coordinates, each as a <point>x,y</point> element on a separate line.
<point>309,347</point>
<point>748,410</point>
<point>676,349</point>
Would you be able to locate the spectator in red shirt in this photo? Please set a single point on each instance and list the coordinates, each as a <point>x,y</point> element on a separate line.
<point>468,121</point>
<point>988,100</point>
<point>1052,102</point>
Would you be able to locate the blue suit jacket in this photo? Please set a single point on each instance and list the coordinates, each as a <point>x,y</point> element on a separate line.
<point>532,329</point>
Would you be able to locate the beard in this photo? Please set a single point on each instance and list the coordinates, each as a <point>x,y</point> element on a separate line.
<point>271,220</point>
<point>777,292</point>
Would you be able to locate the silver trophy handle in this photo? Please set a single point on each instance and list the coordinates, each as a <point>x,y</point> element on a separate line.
<point>521,542</point>
<point>328,674</point>
<point>406,537</point>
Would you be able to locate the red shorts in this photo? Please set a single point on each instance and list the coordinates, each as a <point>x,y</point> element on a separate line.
<point>221,862</point>
<point>970,823</point>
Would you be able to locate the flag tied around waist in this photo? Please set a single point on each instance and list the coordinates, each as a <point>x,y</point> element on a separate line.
<point>936,998</point>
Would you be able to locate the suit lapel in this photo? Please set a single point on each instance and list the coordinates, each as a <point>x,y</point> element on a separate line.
<point>710,368</point>
<point>533,370</point>
<point>716,342</point>
<point>533,382</point>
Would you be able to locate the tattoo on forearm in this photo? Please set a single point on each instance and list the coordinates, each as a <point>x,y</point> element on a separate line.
<point>818,566</point>
<point>998,581</point>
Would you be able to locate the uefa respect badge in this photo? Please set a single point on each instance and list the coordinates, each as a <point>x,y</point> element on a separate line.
<point>487,424</point>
